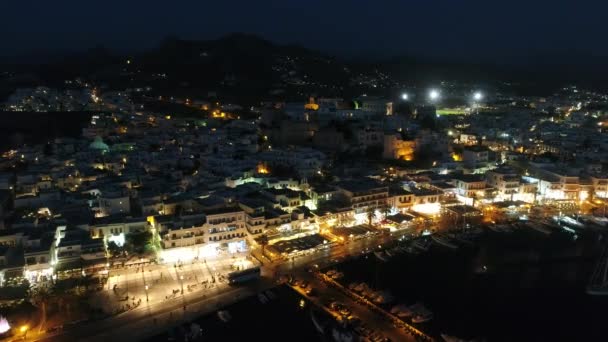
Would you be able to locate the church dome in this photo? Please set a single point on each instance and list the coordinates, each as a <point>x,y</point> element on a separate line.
<point>99,145</point>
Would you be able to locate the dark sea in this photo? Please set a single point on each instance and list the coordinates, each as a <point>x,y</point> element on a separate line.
<point>533,289</point>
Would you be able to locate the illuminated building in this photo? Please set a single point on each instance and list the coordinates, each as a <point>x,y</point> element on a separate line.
<point>363,195</point>
<point>397,148</point>
<point>469,188</point>
<point>400,198</point>
<point>262,168</point>
<point>205,234</point>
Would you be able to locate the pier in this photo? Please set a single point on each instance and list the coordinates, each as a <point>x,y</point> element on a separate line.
<point>384,322</point>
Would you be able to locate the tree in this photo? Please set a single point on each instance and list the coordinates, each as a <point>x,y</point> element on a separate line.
<point>40,297</point>
<point>113,249</point>
<point>371,214</point>
<point>263,241</point>
<point>137,242</point>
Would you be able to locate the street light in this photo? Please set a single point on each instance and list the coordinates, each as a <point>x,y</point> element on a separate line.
<point>181,278</point>
<point>477,96</point>
<point>404,96</point>
<point>23,330</point>
<point>434,94</point>
<point>146,293</point>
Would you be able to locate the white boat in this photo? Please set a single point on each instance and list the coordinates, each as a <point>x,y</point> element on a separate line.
<point>383,297</point>
<point>411,250</point>
<point>262,298</point>
<point>500,228</point>
<point>422,318</point>
<point>401,311</point>
<point>420,313</point>
<point>422,245</point>
<point>601,221</point>
<point>337,275</point>
<point>380,256</point>
<point>539,227</point>
<point>320,326</point>
<point>495,228</point>
<point>444,241</point>
<point>224,315</point>
<point>361,287</point>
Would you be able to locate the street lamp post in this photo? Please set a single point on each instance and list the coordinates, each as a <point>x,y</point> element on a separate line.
<point>181,280</point>
<point>146,293</point>
<point>477,96</point>
<point>108,274</point>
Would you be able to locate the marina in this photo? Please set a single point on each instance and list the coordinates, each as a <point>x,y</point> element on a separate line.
<point>474,292</point>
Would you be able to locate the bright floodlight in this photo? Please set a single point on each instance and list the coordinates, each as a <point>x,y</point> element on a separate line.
<point>434,94</point>
<point>404,96</point>
<point>477,96</point>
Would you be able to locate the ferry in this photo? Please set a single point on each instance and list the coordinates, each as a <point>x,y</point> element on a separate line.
<point>444,241</point>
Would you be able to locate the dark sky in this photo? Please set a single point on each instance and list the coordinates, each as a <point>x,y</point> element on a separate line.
<point>491,30</point>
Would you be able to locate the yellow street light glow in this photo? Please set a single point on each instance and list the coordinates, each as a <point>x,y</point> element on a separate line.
<point>23,328</point>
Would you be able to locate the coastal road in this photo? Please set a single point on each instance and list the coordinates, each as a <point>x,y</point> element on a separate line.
<point>160,314</point>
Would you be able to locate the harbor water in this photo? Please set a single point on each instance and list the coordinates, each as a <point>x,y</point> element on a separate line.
<point>519,286</point>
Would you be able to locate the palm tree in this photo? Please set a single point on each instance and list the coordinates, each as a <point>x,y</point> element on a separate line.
<point>263,241</point>
<point>371,214</point>
<point>386,210</point>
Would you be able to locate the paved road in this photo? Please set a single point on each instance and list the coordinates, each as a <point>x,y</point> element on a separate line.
<point>132,324</point>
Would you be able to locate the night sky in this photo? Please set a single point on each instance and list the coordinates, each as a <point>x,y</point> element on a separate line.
<point>459,30</point>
